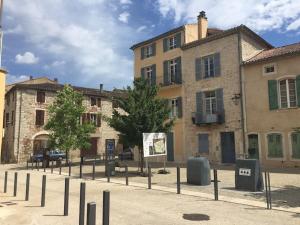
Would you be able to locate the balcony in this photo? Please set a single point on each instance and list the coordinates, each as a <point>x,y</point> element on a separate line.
<point>170,84</point>
<point>206,119</point>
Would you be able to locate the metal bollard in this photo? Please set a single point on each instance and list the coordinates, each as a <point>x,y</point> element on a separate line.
<point>94,169</point>
<point>149,177</point>
<point>216,185</point>
<point>126,175</point>
<point>270,197</point>
<point>178,180</point>
<point>91,213</point>
<point>80,170</point>
<point>267,189</point>
<point>5,181</point>
<point>43,196</point>
<point>66,199</point>
<point>108,173</point>
<point>106,202</point>
<point>70,167</point>
<point>60,167</point>
<point>15,184</point>
<point>51,166</point>
<point>27,187</point>
<point>81,203</point>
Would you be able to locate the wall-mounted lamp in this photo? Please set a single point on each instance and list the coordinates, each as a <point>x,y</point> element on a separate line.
<point>236,98</point>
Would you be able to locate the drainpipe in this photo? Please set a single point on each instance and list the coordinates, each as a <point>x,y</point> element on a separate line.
<point>19,128</point>
<point>241,93</point>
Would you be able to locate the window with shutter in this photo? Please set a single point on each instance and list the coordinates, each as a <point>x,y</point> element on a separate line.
<point>203,144</point>
<point>298,90</point>
<point>40,96</point>
<point>93,119</point>
<point>178,78</point>
<point>142,52</point>
<point>12,118</point>
<point>98,120</point>
<point>153,76</point>
<point>39,117</point>
<point>275,149</point>
<point>6,119</point>
<point>179,103</point>
<point>165,44</point>
<point>295,136</point>
<point>166,72</point>
<point>198,68</point>
<point>174,108</point>
<point>99,102</point>
<point>273,96</point>
<point>287,91</point>
<point>93,101</point>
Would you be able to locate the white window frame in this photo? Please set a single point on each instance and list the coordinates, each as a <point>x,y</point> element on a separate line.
<point>291,146</point>
<point>267,146</point>
<point>148,51</point>
<point>93,120</point>
<point>172,42</point>
<point>269,65</point>
<point>172,64</point>
<point>211,63</point>
<point>210,99</point>
<point>286,79</point>
<point>174,107</point>
<point>149,73</point>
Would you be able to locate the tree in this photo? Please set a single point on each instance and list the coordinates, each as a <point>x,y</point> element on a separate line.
<point>141,112</point>
<point>66,131</point>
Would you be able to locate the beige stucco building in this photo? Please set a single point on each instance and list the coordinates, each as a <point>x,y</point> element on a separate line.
<point>272,93</point>
<point>2,93</point>
<point>26,114</point>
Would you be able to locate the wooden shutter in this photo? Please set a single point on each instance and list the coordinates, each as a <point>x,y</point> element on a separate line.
<point>220,105</point>
<point>153,77</point>
<point>166,73</point>
<point>217,65</point>
<point>198,69</point>
<point>99,102</point>
<point>179,104</point>
<point>298,89</point>
<point>39,117</point>
<point>143,73</point>
<point>178,71</point>
<point>273,96</point>
<point>153,49</point>
<point>40,97</point>
<point>165,44</point>
<point>203,144</point>
<point>178,40</point>
<point>98,120</point>
<point>142,52</point>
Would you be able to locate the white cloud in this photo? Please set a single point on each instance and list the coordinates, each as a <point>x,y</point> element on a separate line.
<point>141,28</point>
<point>260,15</point>
<point>27,58</point>
<point>124,16</point>
<point>10,79</point>
<point>58,63</point>
<point>16,30</point>
<point>294,25</point>
<point>126,2</point>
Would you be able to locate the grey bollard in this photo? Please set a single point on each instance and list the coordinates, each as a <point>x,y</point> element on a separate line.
<point>270,197</point>
<point>126,175</point>
<point>178,180</point>
<point>5,181</point>
<point>216,190</point>
<point>15,184</point>
<point>52,166</point>
<point>94,169</point>
<point>27,187</point>
<point>149,177</point>
<point>108,172</point>
<point>80,170</point>
<point>106,206</point>
<point>43,196</point>
<point>66,199</point>
<point>81,203</point>
<point>70,167</point>
<point>91,214</point>
<point>60,168</point>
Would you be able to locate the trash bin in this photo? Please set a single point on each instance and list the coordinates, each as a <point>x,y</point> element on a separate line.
<point>248,175</point>
<point>198,171</point>
<point>112,167</point>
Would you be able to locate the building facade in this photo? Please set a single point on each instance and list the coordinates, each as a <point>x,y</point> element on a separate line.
<point>272,93</point>
<point>2,94</point>
<point>26,114</point>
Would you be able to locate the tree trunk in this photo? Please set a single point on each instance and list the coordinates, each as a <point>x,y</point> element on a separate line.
<point>67,157</point>
<point>141,159</point>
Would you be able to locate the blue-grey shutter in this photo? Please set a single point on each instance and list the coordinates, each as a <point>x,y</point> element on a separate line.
<point>153,77</point>
<point>166,73</point>
<point>198,69</point>
<point>153,49</point>
<point>178,71</point>
<point>143,73</point>
<point>165,44</point>
<point>273,96</point>
<point>178,40</point>
<point>217,65</point>
<point>220,105</point>
<point>179,102</point>
<point>142,52</point>
<point>203,144</point>
<point>298,89</point>
<point>199,107</point>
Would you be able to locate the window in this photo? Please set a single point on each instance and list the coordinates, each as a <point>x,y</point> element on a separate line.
<point>275,149</point>
<point>287,91</point>
<point>172,42</point>
<point>6,119</point>
<point>203,144</point>
<point>148,51</point>
<point>209,69</point>
<point>8,99</point>
<point>269,69</point>
<point>210,102</point>
<point>93,119</point>
<point>12,118</point>
<point>93,101</point>
<point>295,136</point>
<point>174,108</point>
<point>172,70</point>
<point>149,73</point>
<point>40,96</point>
<point>39,117</point>
<point>99,102</point>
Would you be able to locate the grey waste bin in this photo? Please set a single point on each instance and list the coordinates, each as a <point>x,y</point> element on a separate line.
<point>112,167</point>
<point>198,171</point>
<point>248,175</point>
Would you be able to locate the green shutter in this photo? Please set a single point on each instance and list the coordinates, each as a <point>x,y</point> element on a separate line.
<point>142,52</point>
<point>153,77</point>
<point>296,145</point>
<point>179,102</point>
<point>273,96</point>
<point>166,71</point>
<point>298,89</point>
<point>198,68</point>
<point>143,73</point>
<point>178,40</point>
<point>178,71</point>
<point>153,49</point>
<point>199,107</point>
<point>220,105</point>
<point>275,146</point>
<point>217,65</point>
<point>165,43</point>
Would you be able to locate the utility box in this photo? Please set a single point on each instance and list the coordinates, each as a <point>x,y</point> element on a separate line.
<point>248,175</point>
<point>111,165</point>
<point>198,171</point>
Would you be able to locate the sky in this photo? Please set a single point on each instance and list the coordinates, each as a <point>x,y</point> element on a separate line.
<point>87,42</point>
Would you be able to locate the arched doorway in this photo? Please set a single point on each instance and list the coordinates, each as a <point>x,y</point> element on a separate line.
<point>40,143</point>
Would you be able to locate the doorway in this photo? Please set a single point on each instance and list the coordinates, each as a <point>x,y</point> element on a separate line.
<point>253,146</point>
<point>228,147</point>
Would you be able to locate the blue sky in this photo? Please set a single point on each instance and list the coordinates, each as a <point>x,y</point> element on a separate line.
<point>86,42</point>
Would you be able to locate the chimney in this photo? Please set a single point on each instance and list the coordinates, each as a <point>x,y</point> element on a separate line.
<point>55,80</point>
<point>101,88</point>
<point>31,77</point>
<point>202,25</point>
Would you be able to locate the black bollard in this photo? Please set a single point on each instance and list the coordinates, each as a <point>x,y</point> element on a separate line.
<point>106,200</point>
<point>81,203</point>
<point>5,181</point>
<point>149,177</point>
<point>108,172</point>
<point>216,185</point>
<point>27,187</point>
<point>43,196</point>
<point>178,180</point>
<point>91,213</point>
<point>60,167</point>
<point>94,169</point>
<point>16,184</point>
<point>51,166</point>
<point>66,199</point>
<point>70,167</point>
<point>269,191</point>
<point>80,170</point>
<point>126,175</point>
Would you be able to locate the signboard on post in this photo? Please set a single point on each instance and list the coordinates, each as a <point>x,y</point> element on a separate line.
<point>154,144</point>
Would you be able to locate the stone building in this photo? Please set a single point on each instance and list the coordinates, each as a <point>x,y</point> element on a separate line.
<point>2,94</point>
<point>26,114</point>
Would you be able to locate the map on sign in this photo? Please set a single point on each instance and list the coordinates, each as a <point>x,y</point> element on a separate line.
<point>154,144</point>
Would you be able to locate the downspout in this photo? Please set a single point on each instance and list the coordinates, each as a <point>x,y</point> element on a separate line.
<point>19,128</point>
<point>241,93</point>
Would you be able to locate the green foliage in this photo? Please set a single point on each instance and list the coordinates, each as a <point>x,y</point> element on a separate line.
<point>66,131</point>
<point>143,112</point>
